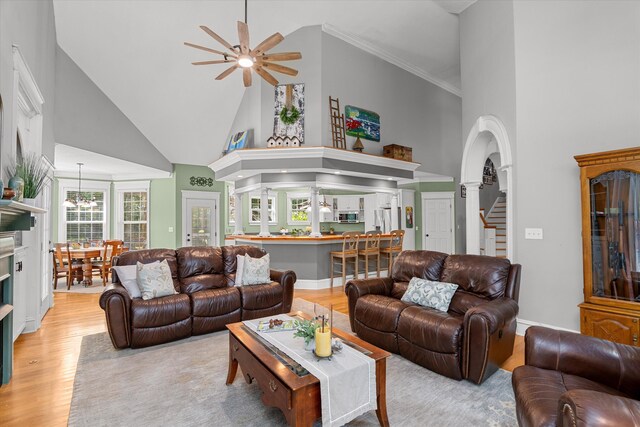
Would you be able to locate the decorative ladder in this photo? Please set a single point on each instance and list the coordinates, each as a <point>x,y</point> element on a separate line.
<point>337,124</point>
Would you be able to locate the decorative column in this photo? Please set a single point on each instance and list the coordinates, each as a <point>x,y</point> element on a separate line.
<point>264,213</point>
<point>315,213</point>
<point>395,224</point>
<point>238,218</point>
<point>473,217</point>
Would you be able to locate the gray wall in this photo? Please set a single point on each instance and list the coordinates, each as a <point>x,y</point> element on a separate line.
<point>488,196</point>
<point>577,68</point>
<point>86,118</point>
<point>31,26</point>
<point>577,86</point>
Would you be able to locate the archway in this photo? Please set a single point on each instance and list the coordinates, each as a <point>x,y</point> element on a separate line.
<point>487,137</point>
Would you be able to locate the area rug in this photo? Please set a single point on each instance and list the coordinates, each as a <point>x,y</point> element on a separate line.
<point>96,287</point>
<point>183,384</point>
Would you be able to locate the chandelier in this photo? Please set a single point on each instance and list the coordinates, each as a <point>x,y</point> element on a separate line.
<point>324,206</point>
<point>80,202</point>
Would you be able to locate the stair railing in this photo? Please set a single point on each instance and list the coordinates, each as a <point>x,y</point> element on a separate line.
<point>488,235</point>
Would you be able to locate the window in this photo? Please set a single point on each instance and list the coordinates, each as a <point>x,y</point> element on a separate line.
<point>254,208</point>
<point>133,214</point>
<point>297,209</point>
<point>80,224</point>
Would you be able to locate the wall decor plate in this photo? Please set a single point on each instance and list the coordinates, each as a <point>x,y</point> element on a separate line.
<point>362,123</point>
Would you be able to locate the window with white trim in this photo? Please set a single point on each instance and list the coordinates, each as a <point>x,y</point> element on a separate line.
<point>84,224</point>
<point>254,209</point>
<point>297,204</point>
<point>133,214</point>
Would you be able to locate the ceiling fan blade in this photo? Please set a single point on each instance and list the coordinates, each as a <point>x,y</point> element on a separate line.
<point>246,77</point>
<point>279,68</point>
<point>267,44</point>
<point>220,61</point>
<point>243,36</point>
<point>206,49</point>
<point>284,56</point>
<point>218,38</point>
<point>226,72</point>
<point>266,76</point>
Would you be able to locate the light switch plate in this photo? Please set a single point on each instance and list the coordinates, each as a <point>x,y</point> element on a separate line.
<point>170,229</point>
<point>533,233</point>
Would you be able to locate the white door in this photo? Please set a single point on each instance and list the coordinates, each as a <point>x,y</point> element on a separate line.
<point>438,230</point>
<point>200,218</point>
<point>45,245</point>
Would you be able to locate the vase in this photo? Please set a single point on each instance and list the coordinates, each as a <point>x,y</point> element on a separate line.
<point>29,201</point>
<point>17,184</point>
<point>310,345</point>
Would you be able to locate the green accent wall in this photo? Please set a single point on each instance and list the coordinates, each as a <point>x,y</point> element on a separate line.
<point>182,174</point>
<point>162,210</point>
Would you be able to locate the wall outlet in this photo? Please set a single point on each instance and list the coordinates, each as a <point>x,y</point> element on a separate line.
<point>170,229</point>
<point>533,233</point>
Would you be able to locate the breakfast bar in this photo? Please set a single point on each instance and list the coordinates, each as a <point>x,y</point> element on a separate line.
<point>307,256</point>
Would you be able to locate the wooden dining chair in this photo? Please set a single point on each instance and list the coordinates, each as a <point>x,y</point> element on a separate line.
<point>394,248</point>
<point>350,240</point>
<point>371,249</point>
<point>111,248</point>
<point>63,265</point>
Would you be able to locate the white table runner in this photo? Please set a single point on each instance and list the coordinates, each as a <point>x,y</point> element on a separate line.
<point>347,381</point>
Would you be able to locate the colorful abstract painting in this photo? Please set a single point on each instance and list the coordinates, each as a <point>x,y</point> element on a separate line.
<point>362,123</point>
<point>238,141</point>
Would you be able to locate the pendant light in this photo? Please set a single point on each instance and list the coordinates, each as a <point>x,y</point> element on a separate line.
<point>80,202</point>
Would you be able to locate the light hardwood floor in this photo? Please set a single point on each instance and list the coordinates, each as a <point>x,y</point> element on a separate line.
<point>39,393</point>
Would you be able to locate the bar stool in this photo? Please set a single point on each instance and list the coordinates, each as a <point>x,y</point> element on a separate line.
<point>350,240</point>
<point>371,248</point>
<point>394,248</point>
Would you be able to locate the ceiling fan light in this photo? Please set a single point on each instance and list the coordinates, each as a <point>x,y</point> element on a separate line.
<point>245,61</point>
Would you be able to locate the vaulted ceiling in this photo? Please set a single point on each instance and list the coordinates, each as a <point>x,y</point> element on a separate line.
<point>133,51</point>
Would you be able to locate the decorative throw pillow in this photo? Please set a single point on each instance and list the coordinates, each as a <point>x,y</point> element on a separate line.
<point>256,270</point>
<point>430,294</point>
<point>154,279</point>
<point>127,274</point>
<point>239,269</point>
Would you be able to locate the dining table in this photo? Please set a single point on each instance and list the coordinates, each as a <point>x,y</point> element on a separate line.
<point>86,255</point>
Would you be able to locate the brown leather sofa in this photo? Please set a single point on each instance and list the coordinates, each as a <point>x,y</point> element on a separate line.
<point>576,380</point>
<point>469,341</point>
<point>206,300</point>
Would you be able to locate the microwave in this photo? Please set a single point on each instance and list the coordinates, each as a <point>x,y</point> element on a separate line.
<point>348,217</point>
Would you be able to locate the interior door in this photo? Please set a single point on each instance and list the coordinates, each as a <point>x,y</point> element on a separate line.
<point>438,224</point>
<point>201,222</point>
<point>45,244</point>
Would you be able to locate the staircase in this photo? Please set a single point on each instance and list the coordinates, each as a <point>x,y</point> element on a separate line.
<point>497,217</point>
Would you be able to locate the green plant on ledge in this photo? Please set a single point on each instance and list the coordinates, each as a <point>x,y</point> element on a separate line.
<point>33,170</point>
<point>305,329</point>
<point>289,115</point>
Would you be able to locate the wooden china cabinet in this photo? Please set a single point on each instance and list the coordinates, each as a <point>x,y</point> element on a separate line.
<point>610,188</point>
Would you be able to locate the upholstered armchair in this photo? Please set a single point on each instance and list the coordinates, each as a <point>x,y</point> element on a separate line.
<point>576,380</point>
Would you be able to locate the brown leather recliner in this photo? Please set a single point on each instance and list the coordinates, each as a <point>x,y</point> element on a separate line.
<point>469,341</point>
<point>207,299</point>
<point>576,380</point>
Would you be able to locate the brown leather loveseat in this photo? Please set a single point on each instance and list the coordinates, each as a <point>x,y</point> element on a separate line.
<point>469,341</point>
<point>206,301</point>
<point>570,379</point>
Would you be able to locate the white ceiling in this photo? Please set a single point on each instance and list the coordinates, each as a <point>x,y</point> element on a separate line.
<point>133,51</point>
<point>98,166</point>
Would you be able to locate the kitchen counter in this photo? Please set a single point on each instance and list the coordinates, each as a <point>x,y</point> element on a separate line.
<point>307,256</point>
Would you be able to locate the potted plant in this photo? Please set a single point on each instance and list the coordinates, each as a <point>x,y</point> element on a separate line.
<point>33,171</point>
<point>306,329</point>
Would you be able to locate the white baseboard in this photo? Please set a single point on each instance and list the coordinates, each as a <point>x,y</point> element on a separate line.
<point>523,325</point>
<point>325,283</point>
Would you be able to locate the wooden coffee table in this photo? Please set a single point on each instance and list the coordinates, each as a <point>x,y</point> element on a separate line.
<point>284,383</point>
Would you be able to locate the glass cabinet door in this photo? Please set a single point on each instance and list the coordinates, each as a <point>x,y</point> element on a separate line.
<point>615,235</point>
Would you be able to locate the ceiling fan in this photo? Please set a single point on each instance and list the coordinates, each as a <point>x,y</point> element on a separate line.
<point>247,59</point>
